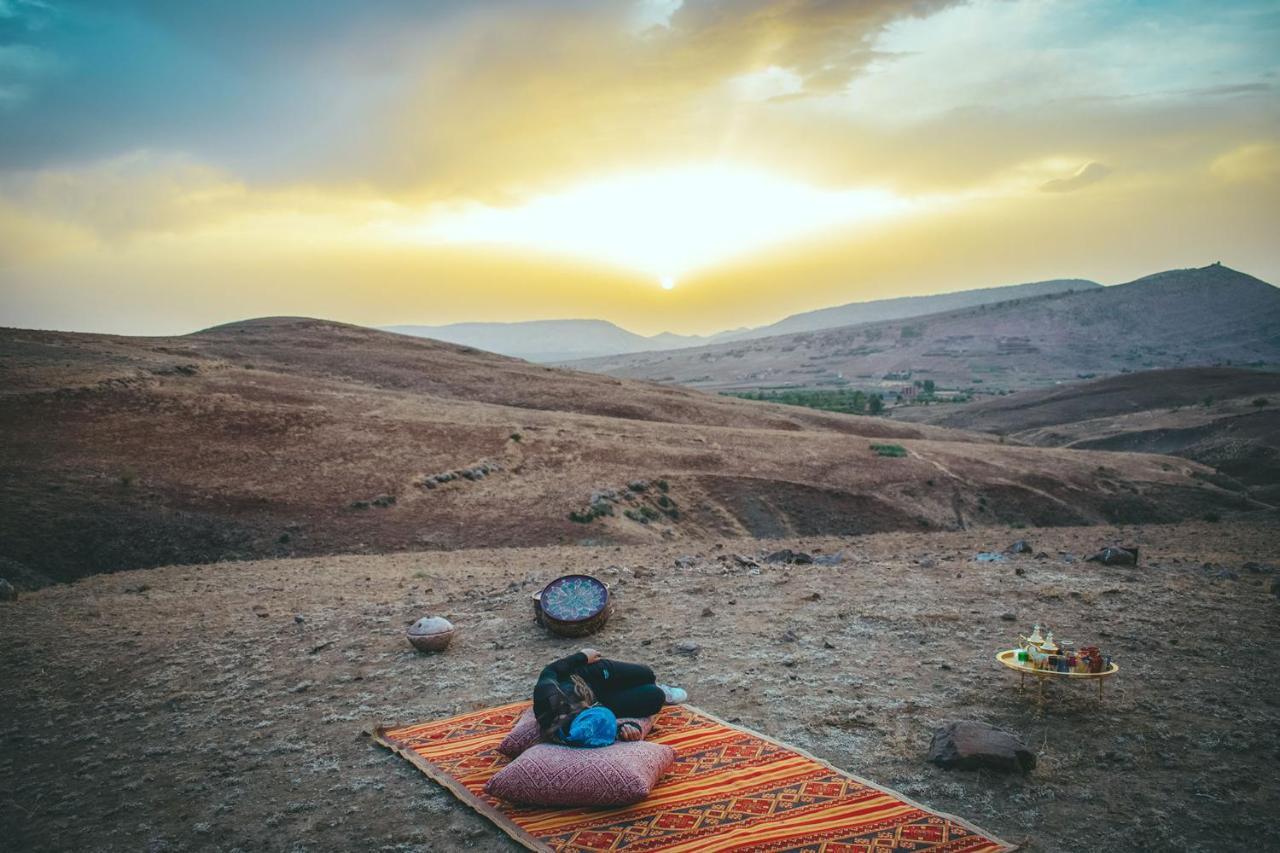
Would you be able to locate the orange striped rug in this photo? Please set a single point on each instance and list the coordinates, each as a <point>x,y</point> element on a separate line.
<point>729,789</point>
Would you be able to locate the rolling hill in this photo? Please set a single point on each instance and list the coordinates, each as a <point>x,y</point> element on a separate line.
<point>567,340</point>
<point>1181,318</point>
<point>290,436</point>
<point>1228,418</point>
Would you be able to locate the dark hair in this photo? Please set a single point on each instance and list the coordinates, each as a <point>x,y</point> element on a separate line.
<point>562,707</point>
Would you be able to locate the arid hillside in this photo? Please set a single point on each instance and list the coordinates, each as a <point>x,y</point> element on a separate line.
<point>1181,318</point>
<point>289,436</point>
<point>1228,418</point>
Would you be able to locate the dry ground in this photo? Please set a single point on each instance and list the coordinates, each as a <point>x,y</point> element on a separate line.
<point>190,708</point>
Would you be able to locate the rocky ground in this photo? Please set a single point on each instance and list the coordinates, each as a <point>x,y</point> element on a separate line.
<point>221,707</point>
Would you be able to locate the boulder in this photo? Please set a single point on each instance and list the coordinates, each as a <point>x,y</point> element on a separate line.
<point>1019,547</point>
<point>786,555</point>
<point>1114,555</point>
<point>970,745</point>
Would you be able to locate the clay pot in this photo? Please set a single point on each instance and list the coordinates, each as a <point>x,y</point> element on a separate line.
<point>431,634</point>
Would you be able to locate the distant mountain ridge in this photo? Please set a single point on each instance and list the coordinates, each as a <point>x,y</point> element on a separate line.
<point>569,340</point>
<point>1179,318</point>
<point>549,340</point>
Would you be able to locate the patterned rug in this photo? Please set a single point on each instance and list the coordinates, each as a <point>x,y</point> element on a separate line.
<point>729,789</point>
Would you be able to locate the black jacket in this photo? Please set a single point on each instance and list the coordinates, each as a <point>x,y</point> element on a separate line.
<point>555,676</point>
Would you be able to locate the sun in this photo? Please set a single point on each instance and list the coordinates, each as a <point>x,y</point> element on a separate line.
<point>665,223</point>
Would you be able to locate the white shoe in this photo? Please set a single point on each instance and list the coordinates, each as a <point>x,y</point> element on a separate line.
<point>674,695</point>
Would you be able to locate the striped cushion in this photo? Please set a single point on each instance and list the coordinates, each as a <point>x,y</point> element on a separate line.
<point>552,775</point>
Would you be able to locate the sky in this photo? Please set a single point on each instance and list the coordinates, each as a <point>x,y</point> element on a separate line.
<point>669,166</point>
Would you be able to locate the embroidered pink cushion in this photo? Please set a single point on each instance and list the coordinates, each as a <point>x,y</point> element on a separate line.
<point>552,775</point>
<point>525,734</point>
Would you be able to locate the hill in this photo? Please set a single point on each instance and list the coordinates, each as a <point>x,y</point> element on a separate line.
<point>549,340</point>
<point>1228,418</point>
<point>1181,318</point>
<point>290,436</point>
<point>903,307</point>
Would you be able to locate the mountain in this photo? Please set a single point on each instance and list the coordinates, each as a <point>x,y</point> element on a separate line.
<point>555,341</point>
<point>1227,418</point>
<point>906,306</point>
<point>549,340</point>
<point>1212,315</point>
<point>293,436</point>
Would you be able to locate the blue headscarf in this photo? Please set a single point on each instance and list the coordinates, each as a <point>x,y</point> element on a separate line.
<point>596,726</point>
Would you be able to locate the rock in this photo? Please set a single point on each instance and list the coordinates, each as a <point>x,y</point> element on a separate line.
<point>813,596</point>
<point>789,636</point>
<point>383,500</point>
<point>431,634</point>
<point>1114,555</point>
<point>786,555</point>
<point>686,562</point>
<point>1019,547</point>
<point>1008,617</point>
<point>1042,555</point>
<point>1019,571</point>
<point>970,745</point>
<point>745,561</point>
<point>927,563</point>
<point>707,611</point>
<point>829,559</point>
<point>827,644</point>
<point>788,662</point>
<point>7,591</point>
<point>299,618</point>
<point>688,647</point>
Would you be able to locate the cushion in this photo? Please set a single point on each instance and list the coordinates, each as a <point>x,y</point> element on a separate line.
<point>525,734</point>
<point>552,775</point>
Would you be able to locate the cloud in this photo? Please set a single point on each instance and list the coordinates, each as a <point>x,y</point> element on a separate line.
<point>1253,163</point>
<point>1089,173</point>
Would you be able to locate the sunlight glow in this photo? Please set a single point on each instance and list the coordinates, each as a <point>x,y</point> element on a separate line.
<point>664,224</point>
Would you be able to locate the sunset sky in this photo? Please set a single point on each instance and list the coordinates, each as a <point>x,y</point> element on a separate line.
<point>695,166</point>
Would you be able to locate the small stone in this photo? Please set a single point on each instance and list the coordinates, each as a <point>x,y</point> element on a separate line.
<point>927,563</point>
<point>789,636</point>
<point>745,561</point>
<point>688,647</point>
<point>1114,555</point>
<point>1009,617</point>
<point>969,745</point>
<point>945,666</point>
<point>299,618</point>
<point>815,596</point>
<point>1042,555</point>
<point>788,662</point>
<point>300,687</point>
<point>1019,571</point>
<point>686,562</point>
<point>827,644</point>
<point>707,611</point>
<point>1019,547</point>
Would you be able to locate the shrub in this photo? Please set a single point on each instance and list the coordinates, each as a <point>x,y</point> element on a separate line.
<point>1261,402</point>
<point>1212,517</point>
<point>892,451</point>
<point>663,486</point>
<point>516,437</point>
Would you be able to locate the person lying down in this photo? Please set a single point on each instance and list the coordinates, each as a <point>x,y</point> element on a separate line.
<point>579,699</point>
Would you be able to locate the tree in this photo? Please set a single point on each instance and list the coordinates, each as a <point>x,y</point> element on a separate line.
<point>876,404</point>
<point>929,386</point>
